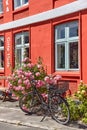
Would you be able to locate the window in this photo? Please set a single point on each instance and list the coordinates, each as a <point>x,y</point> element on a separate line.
<point>1,6</point>
<point>19,3</point>
<point>1,52</point>
<point>21,46</point>
<point>66,46</point>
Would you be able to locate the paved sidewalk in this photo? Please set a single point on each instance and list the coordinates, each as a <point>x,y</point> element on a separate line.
<point>11,113</point>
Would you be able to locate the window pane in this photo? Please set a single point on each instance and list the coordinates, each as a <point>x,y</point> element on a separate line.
<point>26,52</point>
<point>17,3</point>
<point>25,1</point>
<point>26,39</point>
<point>73,55</point>
<point>18,39</point>
<point>21,46</point>
<point>18,56</point>
<point>1,58</point>
<point>1,42</point>
<point>61,32</point>
<point>61,56</point>
<point>1,6</point>
<point>73,29</point>
<point>1,52</point>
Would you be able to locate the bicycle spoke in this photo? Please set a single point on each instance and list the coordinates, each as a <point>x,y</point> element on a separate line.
<point>29,103</point>
<point>60,110</point>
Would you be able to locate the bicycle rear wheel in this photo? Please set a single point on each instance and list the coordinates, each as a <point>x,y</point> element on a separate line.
<point>59,109</point>
<point>30,103</point>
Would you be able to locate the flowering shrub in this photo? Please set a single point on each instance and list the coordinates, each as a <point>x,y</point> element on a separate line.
<point>81,94</point>
<point>20,82</point>
<point>78,104</point>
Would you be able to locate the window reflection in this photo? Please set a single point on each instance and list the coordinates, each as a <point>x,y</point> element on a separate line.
<point>61,56</point>
<point>66,46</point>
<point>1,52</point>
<point>21,47</point>
<point>73,57</point>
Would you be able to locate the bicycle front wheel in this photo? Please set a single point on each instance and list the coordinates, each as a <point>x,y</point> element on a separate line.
<point>30,103</point>
<point>59,109</point>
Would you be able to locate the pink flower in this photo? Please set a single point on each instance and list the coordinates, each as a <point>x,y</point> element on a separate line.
<point>25,65</point>
<point>19,72</point>
<point>10,86</point>
<point>39,66</point>
<point>15,88</point>
<point>45,96</point>
<point>19,81</point>
<point>39,83</point>
<point>30,65</point>
<point>28,86</point>
<point>27,74</point>
<point>19,76</point>
<point>26,81</point>
<point>57,77</point>
<point>47,79</point>
<point>23,92</point>
<point>26,59</point>
<point>37,74</point>
<point>22,76</point>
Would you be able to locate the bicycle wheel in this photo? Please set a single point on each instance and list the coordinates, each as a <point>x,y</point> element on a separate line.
<point>59,109</point>
<point>30,103</point>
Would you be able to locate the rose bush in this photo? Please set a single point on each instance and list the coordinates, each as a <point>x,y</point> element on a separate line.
<point>20,82</point>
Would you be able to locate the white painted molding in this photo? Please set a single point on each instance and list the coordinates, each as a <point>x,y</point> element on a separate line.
<point>51,14</point>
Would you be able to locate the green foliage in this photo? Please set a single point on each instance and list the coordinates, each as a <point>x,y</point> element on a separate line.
<point>81,94</point>
<point>74,110</point>
<point>84,120</point>
<point>78,104</point>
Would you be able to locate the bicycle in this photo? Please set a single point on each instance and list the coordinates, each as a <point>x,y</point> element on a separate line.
<point>55,105</point>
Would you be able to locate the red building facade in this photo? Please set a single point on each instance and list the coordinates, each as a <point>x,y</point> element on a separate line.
<point>53,29</point>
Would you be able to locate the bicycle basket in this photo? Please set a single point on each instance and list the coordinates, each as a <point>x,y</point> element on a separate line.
<point>62,86</point>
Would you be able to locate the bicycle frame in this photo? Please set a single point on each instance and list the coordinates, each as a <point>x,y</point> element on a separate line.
<point>55,105</point>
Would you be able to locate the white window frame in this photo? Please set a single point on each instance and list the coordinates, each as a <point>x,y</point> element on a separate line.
<point>67,40</point>
<point>1,6</point>
<point>21,3</point>
<point>2,49</point>
<point>22,45</point>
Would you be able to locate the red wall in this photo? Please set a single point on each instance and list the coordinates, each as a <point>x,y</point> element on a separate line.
<point>38,6</point>
<point>7,8</point>
<point>41,43</point>
<point>84,45</point>
<point>58,3</point>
